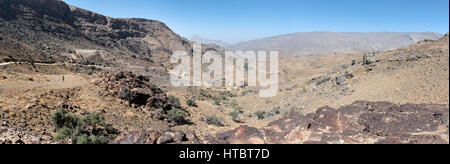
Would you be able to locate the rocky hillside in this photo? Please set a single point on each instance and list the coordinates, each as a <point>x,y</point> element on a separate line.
<point>327,43</point>
<point>52,31</point>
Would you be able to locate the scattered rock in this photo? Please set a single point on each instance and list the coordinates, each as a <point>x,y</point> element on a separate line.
<point>370,58</point>
<point>160,114</point>
<point>4,123</point>
<point>414,57</point>
<point>140,137</point>
<point>165,139</point>
<point>156,137</point>
<point>341,80</point>
<point>15,136</point>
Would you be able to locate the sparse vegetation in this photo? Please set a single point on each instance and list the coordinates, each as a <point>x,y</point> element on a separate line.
<point>216,100</point>
<point>304,90</point>
<point>82,130</point>
<point>173,101</point>
<point>177,116</point>
<point>191,103</point>
<point>354,62</point>
<point>235,116</point>
<point>214,120</point>
<point>260,114</point>
<point>234,105</point>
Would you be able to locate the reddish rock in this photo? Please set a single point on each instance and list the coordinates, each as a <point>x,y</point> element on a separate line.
<point>359,123</point>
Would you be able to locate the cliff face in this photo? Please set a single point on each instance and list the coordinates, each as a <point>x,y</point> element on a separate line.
<point>52,31</point>
<point>22,9</point>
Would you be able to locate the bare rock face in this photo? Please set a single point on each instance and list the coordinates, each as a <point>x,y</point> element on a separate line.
<point>133,88</point>
<point>156,137</point>
<point>52,30</point>
<point>14,9</point>
<point>359,123</point>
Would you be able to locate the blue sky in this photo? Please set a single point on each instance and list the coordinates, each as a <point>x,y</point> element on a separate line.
<point>240,20</point>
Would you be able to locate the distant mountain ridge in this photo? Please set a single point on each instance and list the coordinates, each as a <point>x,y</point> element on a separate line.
<point>326,43</point>
<point>199,39</point>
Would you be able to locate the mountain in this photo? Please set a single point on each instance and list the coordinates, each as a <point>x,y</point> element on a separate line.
<point>326,43</point>
<point>199,39</point>
<point>50,31</point>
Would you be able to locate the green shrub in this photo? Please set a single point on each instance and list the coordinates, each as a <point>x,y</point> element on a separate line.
<point>354,62</point>
<point>234,105</point>
<point>191,103</point>
<point>216,100</point>
<point>90,73</point>
<point>214,120</point>
<point>235,116</point>
<point>177,116</point>
<point>62,118</point>
<point>82,130</point>
<point>175,102</point>
<point>260,114</point>
<point>92,119</point>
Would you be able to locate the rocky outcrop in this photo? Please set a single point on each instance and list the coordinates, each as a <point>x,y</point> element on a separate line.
<point>156,137</point>
<point>359,123</point>
<point>135,89</point>
<point>50,31</point>
<point>16,9</point>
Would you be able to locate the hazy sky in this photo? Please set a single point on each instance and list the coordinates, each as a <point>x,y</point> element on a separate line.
<point>240,20</point>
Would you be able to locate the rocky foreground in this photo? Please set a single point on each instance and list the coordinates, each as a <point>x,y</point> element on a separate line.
<point>359,123</point>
